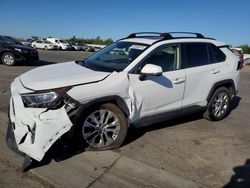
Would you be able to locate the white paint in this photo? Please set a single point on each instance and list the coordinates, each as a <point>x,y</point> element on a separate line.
<point>170,91</point>
<point>59,75</point>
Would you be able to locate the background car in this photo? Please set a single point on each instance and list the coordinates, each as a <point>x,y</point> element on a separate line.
<point>11,53</point>
<point>44,44</point>
<point>27,42</point>
<point>240,55</point>
<point>62,44</point>
<point>82,47</point>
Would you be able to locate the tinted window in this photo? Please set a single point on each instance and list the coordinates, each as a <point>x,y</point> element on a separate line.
<point>166,56</point>
<point>5,41</point>
<point>215,54</point>
<point>196,54</point>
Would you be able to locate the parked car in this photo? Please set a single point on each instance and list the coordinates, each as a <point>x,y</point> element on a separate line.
<point>44,44</point>
<point>97,99</point>
<point>62,44</point>
<point>12,53</point>
<point>240,55</point>
<point>247,61</point>
<point>27,42</point>
<point>82,47</point>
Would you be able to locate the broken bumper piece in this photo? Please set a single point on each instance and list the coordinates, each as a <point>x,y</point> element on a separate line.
<point>11,141</point>
<point>32,131</point>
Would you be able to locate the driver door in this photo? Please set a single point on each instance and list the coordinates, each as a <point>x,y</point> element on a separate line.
<point>157,95</point>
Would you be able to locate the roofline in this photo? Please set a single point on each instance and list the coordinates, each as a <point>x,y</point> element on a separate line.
<point>165,36</point>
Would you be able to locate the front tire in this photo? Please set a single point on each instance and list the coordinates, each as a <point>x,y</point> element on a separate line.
<point>104,127</point>
<point>8,59</point>
<point>46,47</point>
<point>219,105</point>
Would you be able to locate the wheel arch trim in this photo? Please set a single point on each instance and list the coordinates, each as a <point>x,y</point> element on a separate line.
<point>229,83</point>
<point>112,99</point>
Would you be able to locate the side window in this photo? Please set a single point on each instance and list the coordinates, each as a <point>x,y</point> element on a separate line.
<point>215,54</point>
<point>165,56</point>
<point>197,54</point>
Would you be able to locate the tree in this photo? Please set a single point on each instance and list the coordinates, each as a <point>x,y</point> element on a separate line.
<point>108,41</point>
<point>96,40</point>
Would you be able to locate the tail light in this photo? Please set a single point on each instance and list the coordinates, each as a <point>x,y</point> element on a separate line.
<point>240,65</point>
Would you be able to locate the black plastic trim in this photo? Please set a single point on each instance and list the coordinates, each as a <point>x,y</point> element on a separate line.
<point>11,141</point>
<point>229,83</point>
<point>157,118</point>
<point>113,98</point>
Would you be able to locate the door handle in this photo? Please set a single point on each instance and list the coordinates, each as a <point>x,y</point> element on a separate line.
<point>215,71</point>
<point>178,80</point>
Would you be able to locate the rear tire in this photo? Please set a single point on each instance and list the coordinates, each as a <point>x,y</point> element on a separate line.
<point>219,105</point>
<point>46,47</point>
<point>8,59</point>
<point>103,127</point>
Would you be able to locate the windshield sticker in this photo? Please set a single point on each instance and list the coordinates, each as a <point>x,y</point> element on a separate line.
<point>138,47</point>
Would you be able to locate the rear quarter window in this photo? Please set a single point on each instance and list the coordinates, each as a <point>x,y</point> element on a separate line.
<point>215,54</point>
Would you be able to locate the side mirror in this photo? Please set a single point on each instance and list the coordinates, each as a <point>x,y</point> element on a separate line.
<point>150,70</point>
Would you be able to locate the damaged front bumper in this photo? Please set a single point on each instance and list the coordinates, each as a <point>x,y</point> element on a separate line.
<point>32,131</point>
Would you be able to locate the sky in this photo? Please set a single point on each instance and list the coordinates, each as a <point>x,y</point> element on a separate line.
<point>225,20</point>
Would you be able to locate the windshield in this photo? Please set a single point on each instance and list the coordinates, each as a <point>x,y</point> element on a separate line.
<point>5,41</point>
<point>47,42</point>
<point>115,57</point>
<point>63,41</point>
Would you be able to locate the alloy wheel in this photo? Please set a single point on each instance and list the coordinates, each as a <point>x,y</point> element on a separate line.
<point>8,59</point>
<point>101,128</point>
<point>220,104</point>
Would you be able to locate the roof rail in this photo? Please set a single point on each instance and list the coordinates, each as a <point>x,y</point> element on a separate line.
<point>150,34</point>
<point>166,36</point>
<point>198,35</point>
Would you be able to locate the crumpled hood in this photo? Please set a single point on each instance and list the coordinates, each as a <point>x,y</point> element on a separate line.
<point>60,75</point>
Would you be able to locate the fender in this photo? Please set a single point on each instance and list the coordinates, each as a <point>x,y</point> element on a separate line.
<point>113,98</point>
<point>229,83</point>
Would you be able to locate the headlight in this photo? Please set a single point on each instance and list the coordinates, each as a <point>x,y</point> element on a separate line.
<point>21,50</point>
<point>43,100</point>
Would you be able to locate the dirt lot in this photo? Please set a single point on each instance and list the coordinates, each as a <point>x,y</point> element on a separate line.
<point>187,152</point>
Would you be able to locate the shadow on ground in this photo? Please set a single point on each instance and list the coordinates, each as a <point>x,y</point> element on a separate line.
<point>60,151</point>
<point>241,178</point>
<point>235,103</point>
<point>135,133</point>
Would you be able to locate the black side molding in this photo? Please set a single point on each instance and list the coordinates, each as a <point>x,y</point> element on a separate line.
<point>113,98</point>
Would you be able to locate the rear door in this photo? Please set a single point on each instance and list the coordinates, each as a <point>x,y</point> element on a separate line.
<point>204,64</point>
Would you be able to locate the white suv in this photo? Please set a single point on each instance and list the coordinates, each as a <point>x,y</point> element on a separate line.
<point>136,81</point>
